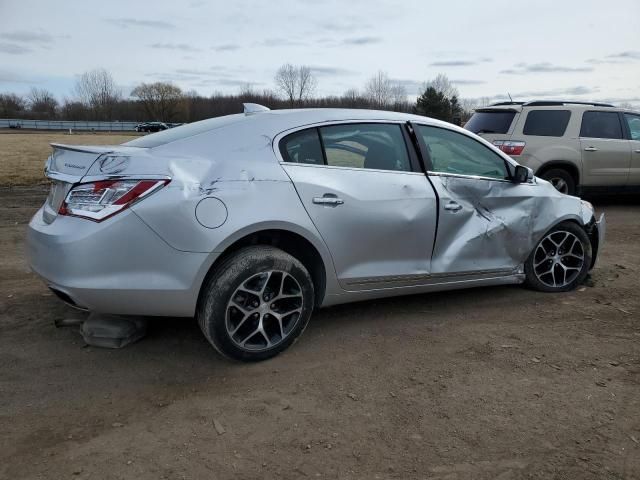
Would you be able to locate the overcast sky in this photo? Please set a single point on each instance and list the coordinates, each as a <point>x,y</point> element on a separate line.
<point>577,49</point>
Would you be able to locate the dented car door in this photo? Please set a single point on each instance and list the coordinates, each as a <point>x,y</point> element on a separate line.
<point>484,219</point>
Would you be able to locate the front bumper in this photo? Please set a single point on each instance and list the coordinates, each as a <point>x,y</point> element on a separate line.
<point>119,266</point>
<point>597,234</point>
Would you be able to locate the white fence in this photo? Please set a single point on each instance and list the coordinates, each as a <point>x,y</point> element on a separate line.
<point>66,125</point>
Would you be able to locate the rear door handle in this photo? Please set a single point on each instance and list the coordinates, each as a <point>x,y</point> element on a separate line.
<point>328,199</point>
<point>590,149</point>
<point>453,206</point>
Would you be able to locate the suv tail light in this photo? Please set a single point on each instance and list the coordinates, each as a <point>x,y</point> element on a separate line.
<point>509,147</point>
<point>98,201</point>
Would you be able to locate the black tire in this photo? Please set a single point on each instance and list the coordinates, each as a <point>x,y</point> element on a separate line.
<point>235,272</point>
<point>559,177</point>
<point>533,279</point>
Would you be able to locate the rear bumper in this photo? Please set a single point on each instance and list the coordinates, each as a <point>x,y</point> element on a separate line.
<point>119,266</point>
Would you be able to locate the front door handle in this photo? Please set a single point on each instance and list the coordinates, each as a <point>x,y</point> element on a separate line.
<point>328,199</point>
<point>590,149</point>
<point>453,206</point>
<point>637,151</point>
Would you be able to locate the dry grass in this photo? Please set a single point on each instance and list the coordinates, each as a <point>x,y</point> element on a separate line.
<point>22,155</point>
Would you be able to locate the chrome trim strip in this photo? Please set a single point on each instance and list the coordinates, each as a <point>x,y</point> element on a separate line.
<point>472,177</point>
<point>428,276</point>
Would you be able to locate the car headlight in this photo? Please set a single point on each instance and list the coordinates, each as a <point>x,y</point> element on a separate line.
<point>587,205</point>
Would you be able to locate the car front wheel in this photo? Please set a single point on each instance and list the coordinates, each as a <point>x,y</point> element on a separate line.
<point>561,260</point>
<point>256,304</point>
<point>561,180</point>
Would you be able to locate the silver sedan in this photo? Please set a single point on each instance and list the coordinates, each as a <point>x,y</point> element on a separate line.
<point>251,221</point>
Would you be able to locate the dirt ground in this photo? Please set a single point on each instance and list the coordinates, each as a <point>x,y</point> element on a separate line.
<point>23,153</point>
<point>490,383</point>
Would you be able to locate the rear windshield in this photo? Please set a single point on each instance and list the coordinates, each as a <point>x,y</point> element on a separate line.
<point>183,131</point>
<point>546,123</point>
<point>490,121</point>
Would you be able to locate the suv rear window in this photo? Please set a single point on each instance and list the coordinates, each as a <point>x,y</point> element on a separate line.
<point>490,121</point>
<point>546,123</point>
<point>601,125</point>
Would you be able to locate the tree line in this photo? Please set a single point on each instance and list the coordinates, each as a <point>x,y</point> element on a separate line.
<point>96,96</point>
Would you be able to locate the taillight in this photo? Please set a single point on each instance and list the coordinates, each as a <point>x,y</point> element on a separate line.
<point>100,200</point>
<point>509,147</point>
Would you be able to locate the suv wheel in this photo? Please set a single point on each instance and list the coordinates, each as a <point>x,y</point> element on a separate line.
<point>561,180</point>
<point>256,304</point>
<point>560,261</point>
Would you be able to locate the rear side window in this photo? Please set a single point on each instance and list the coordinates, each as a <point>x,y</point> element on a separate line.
<point>374,146</point>
<point>634,125</point>
<point>490,121</point>
<point>302,147</point>
<point>601,125</point>
<point>546,123</point>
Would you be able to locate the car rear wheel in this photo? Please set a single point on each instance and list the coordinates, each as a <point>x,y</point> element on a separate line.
<point>256,304</point>
<point>561,180</point>
<point>560,261</point>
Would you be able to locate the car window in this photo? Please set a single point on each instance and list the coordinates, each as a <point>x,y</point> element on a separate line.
<point>302,147</point>
<point>601,125</point>
<point>366,145</point>
<point>490,121</point>
<point>546,123</point>
<point>453,152</point>
<point>634,125</point>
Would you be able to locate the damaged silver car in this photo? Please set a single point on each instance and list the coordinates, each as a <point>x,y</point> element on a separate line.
<point>251,221</point>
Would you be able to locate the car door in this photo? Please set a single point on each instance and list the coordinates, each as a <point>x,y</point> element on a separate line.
<point>361,187</point>
<point>484,219</point>
<point>632,122</point>
<point>606,154</point>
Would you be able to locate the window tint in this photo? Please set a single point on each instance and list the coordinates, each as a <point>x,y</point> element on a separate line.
<point>601,125</point>
<point>302,147</point>
<point>634,125</point>
<point>373,145</point>
<point>453,152</point>
<point>546,123</point>
<point>490,121</point>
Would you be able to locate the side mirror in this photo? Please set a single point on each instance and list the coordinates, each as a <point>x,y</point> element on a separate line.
<point>522,174</point>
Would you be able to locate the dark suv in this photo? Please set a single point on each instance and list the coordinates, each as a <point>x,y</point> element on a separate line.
<point>151,127</point>
<point>578,147</point>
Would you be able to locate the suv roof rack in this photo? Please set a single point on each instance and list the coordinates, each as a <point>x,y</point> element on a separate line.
<point>551,103</point>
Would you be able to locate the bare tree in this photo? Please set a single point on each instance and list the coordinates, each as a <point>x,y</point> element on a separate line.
<point>12,105</point>
<point>398,94</point>
<point>443,85</point>
<point>161,100</point>
<point>98,91</point>
<point>379,90</point>
<point>42,103</point>
<point>296,83</point>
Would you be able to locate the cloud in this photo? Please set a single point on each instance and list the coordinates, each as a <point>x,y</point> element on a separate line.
<point>135,22</point>
<point>570,91</point>
<point>412,86</point>
<point>630,55</point>
<point>226,47</point>
<point>280,42</point>
<point>453,63</point>
<point>544,67</point>
<point>330,71</point>
<point>175,46</point>
<point>361,40</point>
<point>24,36</point>
<point>462,81</point>
<point>13,49</point>
<point>11,77</point>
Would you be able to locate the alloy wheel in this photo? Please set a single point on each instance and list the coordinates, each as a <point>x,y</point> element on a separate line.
<point>560,184</point>
<point>264,310</point>
<point>558,259</point>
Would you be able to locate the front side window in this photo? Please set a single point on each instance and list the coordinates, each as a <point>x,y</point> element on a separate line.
<point>634,125</point>
<point>546,123</point>
<point>366,145</point>
<point>601,125</point>
<point>453,152</point>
